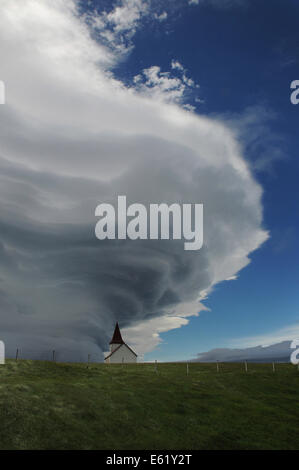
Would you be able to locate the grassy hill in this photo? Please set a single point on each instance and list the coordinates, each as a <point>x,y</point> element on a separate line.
<point>46,405</point>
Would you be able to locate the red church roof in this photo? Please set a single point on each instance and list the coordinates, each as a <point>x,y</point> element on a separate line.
<point>116,338</point>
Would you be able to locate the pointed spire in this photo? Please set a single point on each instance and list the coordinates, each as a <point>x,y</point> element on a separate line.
<point>116,338</point>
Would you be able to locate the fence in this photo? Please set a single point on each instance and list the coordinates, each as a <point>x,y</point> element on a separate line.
<point>92,358</point>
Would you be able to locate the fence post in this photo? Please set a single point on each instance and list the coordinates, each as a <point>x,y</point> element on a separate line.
<point>273,366</point>
<point>246,367</point>
<point>187,368</point>
<point>217,366</point>
<point>17,354</point>
<point>53,355</point>
<point>88,359</point>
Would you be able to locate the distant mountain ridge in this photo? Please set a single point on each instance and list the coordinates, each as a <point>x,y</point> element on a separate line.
<point>279,352</point>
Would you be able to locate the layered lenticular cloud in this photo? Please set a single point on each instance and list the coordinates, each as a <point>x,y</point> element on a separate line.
<point>73,136</point>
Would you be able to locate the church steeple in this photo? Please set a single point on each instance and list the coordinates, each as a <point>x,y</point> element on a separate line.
<point>116,338</point>
<point>120,352</point>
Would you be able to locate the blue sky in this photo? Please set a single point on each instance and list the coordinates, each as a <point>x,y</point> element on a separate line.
<point>162,101</point>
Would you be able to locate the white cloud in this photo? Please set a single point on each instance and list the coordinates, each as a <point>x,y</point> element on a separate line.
<point>287,333</point>
<point>222,4</point>
<point>118,26</point>
<point>252,129</point>
<point>163,86</point>
<point>159,85</point>
<point>161,17</point>
<point>73,136</point>
<point>278,352</point>
<point>175,64</point>
<point>145,336</point>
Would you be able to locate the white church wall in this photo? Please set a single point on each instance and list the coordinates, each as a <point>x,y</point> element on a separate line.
<point>123,354</point>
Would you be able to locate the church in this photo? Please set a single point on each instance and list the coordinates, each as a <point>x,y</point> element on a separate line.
<point>120,352</point>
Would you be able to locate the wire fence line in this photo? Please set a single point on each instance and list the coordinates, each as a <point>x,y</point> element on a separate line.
<point>54,355</point>
<point>97,358</point>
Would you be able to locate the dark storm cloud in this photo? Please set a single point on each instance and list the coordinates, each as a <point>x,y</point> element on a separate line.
<point>73,137</point>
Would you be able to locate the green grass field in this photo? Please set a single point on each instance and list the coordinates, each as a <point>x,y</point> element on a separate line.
<point>46,405</point>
